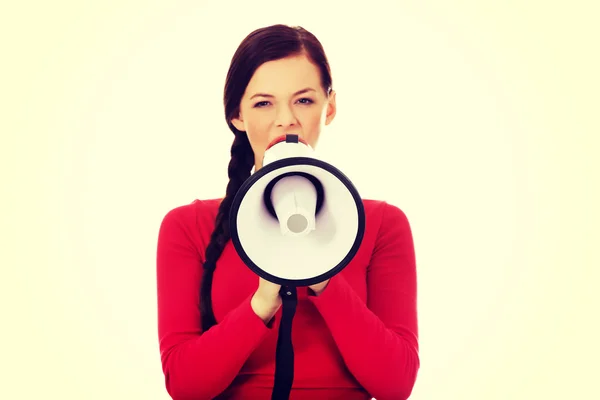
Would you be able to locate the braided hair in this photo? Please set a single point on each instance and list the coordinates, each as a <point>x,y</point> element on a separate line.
<point>264,44</point>
<point>242,159</point>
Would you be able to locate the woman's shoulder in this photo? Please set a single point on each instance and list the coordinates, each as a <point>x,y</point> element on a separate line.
<point>196,207</point>
<point>196,213</point>
<point>191,222</point>
<point>380,206</point>
<point>383,214</point>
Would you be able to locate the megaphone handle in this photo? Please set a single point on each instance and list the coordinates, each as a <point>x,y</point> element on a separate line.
<point>284,356</point>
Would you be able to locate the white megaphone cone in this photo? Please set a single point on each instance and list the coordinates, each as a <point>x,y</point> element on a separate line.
<point>297,220</point>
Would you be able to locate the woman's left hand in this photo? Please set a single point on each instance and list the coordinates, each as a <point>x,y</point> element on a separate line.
<point>319,287</point>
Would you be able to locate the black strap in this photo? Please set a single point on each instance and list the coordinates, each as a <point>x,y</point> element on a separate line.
<point>284,356</point>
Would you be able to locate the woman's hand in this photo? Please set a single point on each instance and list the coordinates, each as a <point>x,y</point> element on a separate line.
<point>266,300</point>
<point>319,287</point>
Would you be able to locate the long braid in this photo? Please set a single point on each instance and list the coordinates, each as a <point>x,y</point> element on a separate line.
<point>240,167</point>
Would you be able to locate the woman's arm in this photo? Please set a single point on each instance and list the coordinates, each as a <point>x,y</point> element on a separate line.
<point>379,340</point>
<point>197,365</point>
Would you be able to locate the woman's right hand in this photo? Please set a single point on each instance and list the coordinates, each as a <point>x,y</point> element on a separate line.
<point>266,300</point>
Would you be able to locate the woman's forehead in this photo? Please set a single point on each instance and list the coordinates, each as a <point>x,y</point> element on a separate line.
<point>284,77</point>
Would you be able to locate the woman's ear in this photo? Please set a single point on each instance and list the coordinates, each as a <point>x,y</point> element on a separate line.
<point>331,108</point>
<point>238,122</point>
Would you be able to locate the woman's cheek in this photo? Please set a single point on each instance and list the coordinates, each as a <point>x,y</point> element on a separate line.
<point>258,137</point>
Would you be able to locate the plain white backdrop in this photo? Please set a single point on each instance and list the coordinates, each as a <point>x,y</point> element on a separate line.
<point>477,120</point>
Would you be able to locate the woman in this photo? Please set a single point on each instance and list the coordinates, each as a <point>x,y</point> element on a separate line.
<point>355,336</point>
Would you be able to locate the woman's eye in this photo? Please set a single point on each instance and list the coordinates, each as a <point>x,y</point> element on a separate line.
<point>262,104</point>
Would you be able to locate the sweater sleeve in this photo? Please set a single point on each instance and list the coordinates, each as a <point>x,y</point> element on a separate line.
<point>197,365</point>
<point>379,340</point>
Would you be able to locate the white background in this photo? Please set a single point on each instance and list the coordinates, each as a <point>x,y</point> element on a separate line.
<point>478,119</point>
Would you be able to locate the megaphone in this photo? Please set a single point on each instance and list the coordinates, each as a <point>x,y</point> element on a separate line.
<point>297,221</point>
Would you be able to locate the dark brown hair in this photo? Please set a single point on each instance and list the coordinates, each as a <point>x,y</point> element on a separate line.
<point>264,44</point>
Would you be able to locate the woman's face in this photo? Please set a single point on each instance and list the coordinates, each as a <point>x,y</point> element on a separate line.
<point>284,96</point>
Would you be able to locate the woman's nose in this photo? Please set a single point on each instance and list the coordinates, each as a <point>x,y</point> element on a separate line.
<point>285,117</point>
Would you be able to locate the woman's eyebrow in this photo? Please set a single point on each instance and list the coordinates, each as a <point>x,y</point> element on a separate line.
<point>308,89</point>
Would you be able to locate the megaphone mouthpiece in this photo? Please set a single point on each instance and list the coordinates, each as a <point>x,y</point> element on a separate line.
<point>288,138</point>
<point>294,200</point>
<point>287,146</point>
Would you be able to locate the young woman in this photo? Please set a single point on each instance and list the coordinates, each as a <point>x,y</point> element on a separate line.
<point>355,336</point>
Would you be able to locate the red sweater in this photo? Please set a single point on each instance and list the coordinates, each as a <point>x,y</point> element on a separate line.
<point>358,339</point>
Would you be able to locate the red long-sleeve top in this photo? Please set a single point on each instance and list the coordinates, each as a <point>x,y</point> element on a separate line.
<point>358,339</point>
